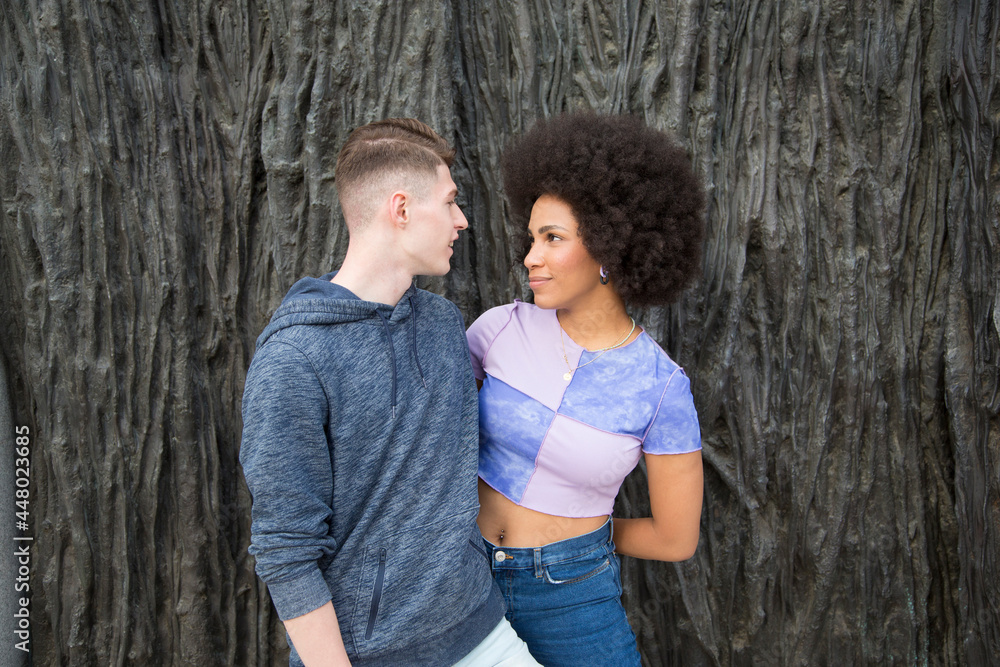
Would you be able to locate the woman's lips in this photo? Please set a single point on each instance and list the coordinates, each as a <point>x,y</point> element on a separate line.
<point>535,282</point>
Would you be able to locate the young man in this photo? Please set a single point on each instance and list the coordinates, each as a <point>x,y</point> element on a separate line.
<point>361,432</point>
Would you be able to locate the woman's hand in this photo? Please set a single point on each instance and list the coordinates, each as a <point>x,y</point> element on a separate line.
<point>675,494</point>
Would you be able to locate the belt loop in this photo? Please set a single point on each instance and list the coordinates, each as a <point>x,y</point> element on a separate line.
<point>538,562</point>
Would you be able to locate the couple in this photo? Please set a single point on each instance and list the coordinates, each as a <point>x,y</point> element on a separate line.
<point>364,435</point>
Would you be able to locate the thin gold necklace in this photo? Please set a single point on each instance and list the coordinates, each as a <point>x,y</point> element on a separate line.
<point>568,375</point>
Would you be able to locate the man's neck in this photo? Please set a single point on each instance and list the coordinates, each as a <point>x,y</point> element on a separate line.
<point>373,278</point>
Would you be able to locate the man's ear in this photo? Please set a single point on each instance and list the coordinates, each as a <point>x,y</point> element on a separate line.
<point>399,208</point>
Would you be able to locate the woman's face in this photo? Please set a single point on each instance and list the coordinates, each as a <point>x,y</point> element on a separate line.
<point>561,272</point>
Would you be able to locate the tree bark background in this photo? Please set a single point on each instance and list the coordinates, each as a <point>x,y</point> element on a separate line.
<point>168,173</point>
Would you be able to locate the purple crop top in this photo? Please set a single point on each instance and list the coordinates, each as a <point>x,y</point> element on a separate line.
<point>564,448</point>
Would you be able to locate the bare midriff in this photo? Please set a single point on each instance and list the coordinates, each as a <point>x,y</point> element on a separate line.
<point>507,524</point>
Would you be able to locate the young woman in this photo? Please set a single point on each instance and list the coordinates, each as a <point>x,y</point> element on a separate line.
<point>574,392</point>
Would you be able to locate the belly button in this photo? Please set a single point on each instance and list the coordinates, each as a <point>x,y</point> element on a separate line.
<point>501,534</point>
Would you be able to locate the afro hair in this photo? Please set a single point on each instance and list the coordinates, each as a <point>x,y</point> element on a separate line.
<point>636,199</point>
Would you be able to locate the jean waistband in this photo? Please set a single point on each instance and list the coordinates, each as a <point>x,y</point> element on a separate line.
<point>516,558</point>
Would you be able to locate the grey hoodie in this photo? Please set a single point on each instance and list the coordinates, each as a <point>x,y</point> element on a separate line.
<point>360,445</point>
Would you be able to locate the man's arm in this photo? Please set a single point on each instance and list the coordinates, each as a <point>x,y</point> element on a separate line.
<point>316,637</point>
<point>285,456</point>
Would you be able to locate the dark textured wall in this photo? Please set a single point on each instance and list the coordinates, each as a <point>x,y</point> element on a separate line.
<point>168,173</point>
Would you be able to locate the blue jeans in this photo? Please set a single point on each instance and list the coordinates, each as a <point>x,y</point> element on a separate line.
<point>564,600</point>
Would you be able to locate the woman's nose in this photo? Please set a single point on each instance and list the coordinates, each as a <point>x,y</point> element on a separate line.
<point>533,258</point>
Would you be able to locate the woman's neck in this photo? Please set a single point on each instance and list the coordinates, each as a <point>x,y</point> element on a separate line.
<point>597,325</point>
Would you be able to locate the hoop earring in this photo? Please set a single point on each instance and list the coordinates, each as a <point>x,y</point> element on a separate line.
<point>604,277</point>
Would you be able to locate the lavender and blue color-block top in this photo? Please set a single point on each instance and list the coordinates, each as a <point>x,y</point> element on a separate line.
<point>564,448</point>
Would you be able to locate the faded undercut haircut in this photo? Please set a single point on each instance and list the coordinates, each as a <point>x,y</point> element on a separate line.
<point>390,153</point>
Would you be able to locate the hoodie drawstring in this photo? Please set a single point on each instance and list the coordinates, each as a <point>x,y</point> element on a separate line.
<point>392,356</point>
<point>413,330</point>
<point>392,350</point>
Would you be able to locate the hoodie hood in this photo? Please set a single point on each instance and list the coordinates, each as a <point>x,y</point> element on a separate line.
<point>317,301</point>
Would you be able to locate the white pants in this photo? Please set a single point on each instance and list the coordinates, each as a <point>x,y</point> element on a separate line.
<point>501,648</point>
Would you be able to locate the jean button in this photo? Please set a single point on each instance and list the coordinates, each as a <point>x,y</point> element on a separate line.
<point>499,556</point>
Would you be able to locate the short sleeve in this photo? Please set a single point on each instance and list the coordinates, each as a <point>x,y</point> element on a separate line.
<point>675,428</point>
<point>483,332</point>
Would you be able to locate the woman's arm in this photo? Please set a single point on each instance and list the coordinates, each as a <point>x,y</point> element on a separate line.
<point>675,493</point>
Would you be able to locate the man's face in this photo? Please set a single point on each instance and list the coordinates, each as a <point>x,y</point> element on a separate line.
<point>435,220</point>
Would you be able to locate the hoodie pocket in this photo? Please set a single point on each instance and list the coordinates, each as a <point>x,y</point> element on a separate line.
<point>417,583</point>
<point>376,594</point>
<point>482,552</point>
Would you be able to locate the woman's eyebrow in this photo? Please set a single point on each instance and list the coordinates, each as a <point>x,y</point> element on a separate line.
<point>549,228</point>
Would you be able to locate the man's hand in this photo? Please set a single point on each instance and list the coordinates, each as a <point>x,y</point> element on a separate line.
<point>316,637</point>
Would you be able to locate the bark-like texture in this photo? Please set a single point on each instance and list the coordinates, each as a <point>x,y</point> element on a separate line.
<point>169,173</point>
<point>133,132</point>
